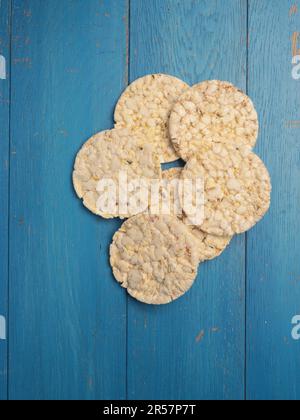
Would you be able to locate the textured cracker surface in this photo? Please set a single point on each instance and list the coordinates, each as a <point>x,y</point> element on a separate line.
<point>155,258</point>
<point>146,105</point>
<point>107,154</point>
<point>170,193</point>
<point>237,187</point>
<point>212,111</point>
<point>209,246</point>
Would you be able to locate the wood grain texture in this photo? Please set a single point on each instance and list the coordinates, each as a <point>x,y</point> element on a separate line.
<point>194,347</point>
<point>68,315</point>
<point>273,275</point>
<point>4,175</point>
<point>73,332</point>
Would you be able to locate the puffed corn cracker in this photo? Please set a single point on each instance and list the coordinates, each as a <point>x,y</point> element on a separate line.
<point>107,156</point>
<point>213,111</point>
<point>155,258</point>
<point>237,187</point>
<point>146,105</point>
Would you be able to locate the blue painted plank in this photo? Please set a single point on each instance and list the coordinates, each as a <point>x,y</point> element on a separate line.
<point>168,355</point>
<point>4,174</point>
<point>273,362</point>
<point>68,315</point>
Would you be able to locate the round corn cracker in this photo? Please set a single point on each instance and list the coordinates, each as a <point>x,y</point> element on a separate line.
<point>116,157</point>
<point>237,187</point>
<point>212,111</point>
<point>209,246</point>
<point>146,105</point>
<point>155,258</point>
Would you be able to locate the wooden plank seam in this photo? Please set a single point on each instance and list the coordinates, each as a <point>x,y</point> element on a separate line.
<point>246,234</point>
<point>126,83</point>
<point>5,44</point>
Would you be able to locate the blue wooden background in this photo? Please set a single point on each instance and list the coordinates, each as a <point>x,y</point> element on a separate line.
<point>72,331</point>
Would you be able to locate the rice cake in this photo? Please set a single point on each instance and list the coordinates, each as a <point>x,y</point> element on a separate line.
<point>146,105</point>
<point>107,156</point>
<point>237,187</point>
<point>212,111</point>
<point>155,258</point>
